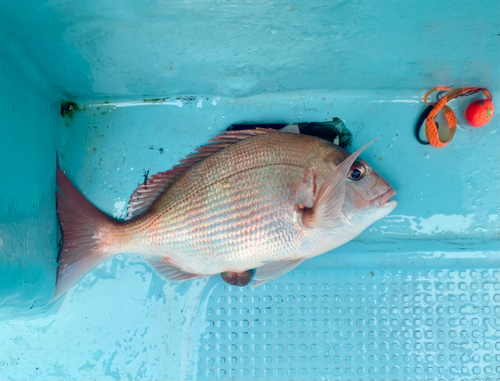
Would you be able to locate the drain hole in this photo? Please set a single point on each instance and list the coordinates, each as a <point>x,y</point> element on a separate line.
<point>333,131</point>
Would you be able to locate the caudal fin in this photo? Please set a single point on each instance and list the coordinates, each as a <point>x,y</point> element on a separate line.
<point>83,229</point>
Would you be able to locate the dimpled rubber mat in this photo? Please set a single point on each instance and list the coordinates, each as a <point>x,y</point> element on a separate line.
<point>356,325</point>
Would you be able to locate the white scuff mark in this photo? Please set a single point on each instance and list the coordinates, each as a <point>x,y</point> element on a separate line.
<point>215,101</point>
<point>178,103</point>
<point>396,101</point>
<point>200,103</point>
<point>492,217</point>
<point>131,168</point>
<point>120,209</point>
<point>438,223</point>
<point>455,254</point>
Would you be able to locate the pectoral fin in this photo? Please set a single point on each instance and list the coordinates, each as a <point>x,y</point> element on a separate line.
<point>327,208</point>
<point>272,270</point>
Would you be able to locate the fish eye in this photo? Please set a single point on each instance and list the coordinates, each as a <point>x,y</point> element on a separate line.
<point>357,171</point>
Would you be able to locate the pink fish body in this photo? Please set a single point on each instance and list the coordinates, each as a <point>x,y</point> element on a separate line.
<point>258,199</point>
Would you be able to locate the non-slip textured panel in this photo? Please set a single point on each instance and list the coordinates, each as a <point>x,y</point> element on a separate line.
<point>356,325</point>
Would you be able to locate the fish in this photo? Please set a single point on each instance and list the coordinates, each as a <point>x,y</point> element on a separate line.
<point>251,205</point>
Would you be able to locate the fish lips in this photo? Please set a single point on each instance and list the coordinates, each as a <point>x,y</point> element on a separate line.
<point>383,200</point>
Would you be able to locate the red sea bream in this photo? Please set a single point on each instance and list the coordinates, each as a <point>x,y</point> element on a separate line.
<point>254,200</point>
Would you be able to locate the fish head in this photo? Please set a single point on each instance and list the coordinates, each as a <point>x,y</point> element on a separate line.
<point>367,194</point>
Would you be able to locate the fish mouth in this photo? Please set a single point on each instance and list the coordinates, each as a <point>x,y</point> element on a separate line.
<point>383,200</point>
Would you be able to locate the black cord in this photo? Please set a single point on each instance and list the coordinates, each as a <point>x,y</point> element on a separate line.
<point>421,121</point>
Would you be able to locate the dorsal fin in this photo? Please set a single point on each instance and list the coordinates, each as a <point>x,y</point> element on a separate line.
<point>153,187</point>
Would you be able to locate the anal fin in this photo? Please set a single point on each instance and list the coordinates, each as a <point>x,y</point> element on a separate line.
<point>167,270</point>
<point>272,270</point>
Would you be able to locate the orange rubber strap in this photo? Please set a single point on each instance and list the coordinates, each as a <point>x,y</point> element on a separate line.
<point>431,128</point>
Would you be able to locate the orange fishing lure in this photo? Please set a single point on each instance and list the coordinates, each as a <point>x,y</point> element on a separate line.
<point>428,116</point>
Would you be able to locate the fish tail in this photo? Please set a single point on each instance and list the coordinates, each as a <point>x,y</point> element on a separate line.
<point>85,235</point>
